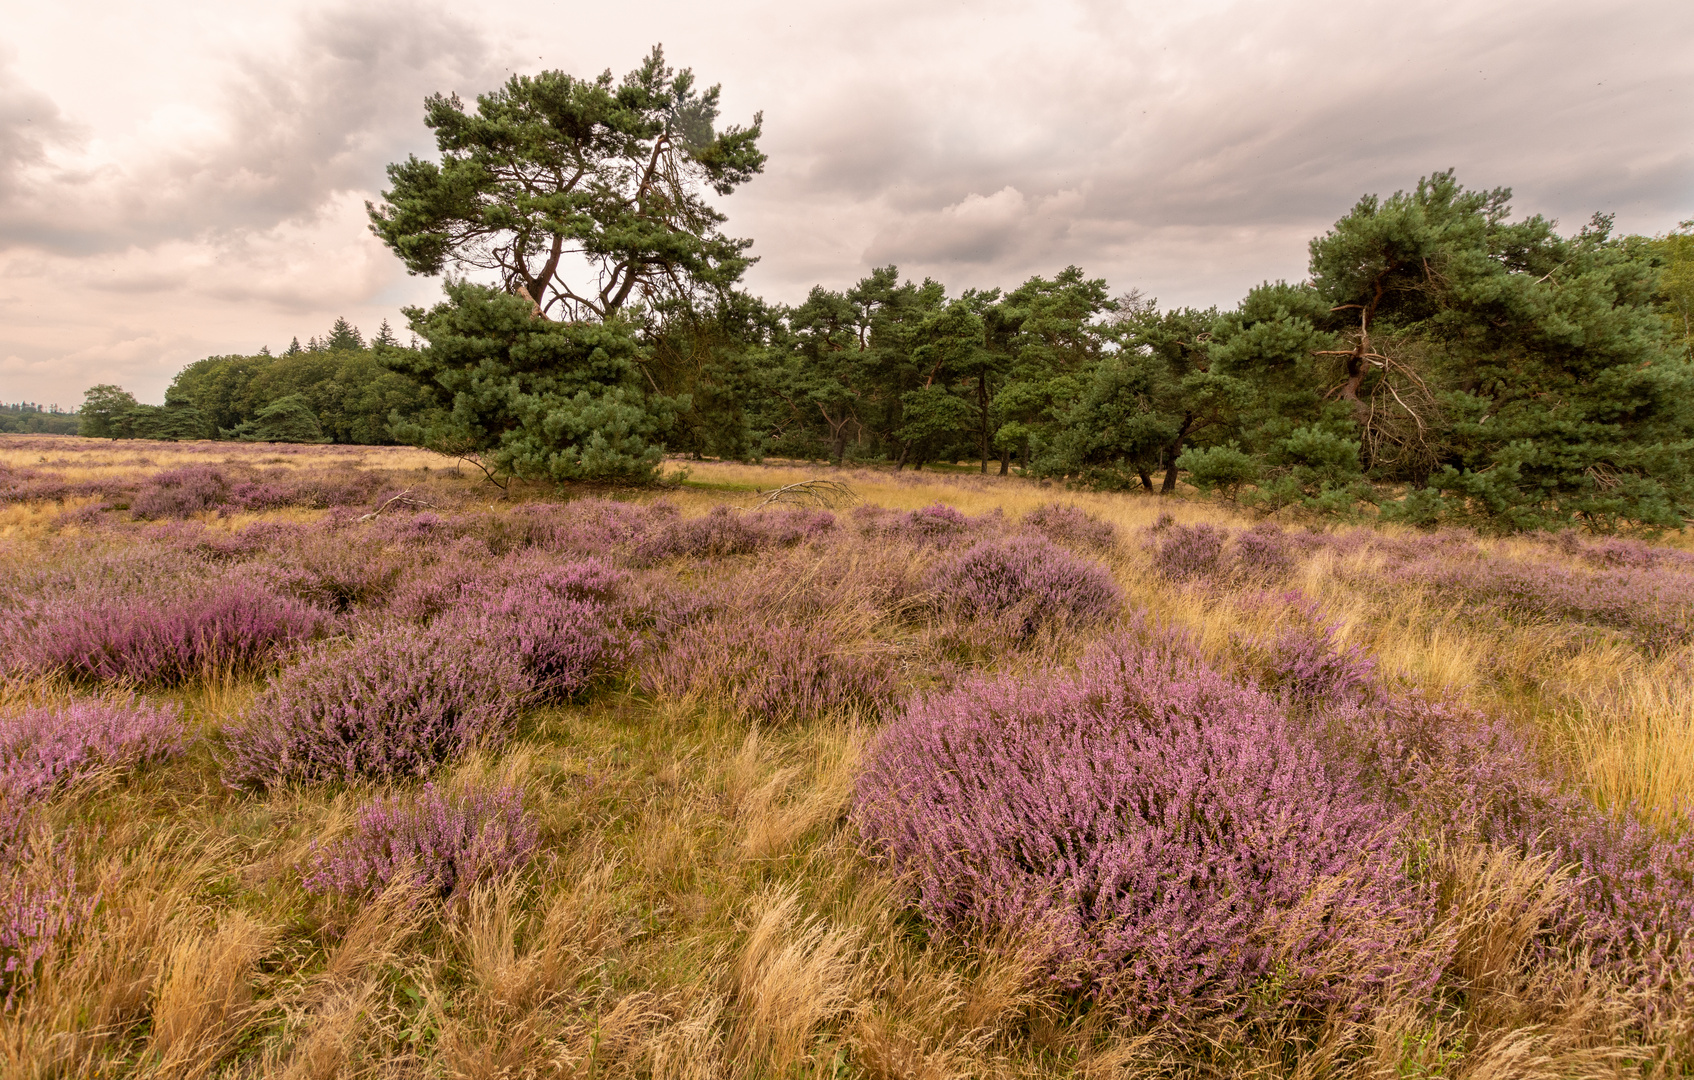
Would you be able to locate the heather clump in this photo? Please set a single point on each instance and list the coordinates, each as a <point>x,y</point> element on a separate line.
<point>568,626</point>
<point>1025,581</point>
<point>237,627</point>
<point>432,841</point>
<point>936,525</point>
<point>769,667</point>
<point>181,493</point>
<point>1189,552</point>
<point>40,905</point>
<point>1653,608</point>
<point>335,569</point>
<point>1303,661</point>
<point>1264,554</point>
<point>1164,838</point>
<point>1073,527</point>
<point>392,704</point>
<point>48,748</point>
<point>724,532</point>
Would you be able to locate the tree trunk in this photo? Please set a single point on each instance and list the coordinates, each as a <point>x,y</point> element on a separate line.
<point>905,449</point>
<point>1005,461</point>
<point>1169,484</point>
<point>1146,479</point>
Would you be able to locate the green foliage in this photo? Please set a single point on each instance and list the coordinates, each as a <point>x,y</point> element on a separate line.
<point>549,166</point>
<point>288,419</point>
<point>348,391</point>
<point>28,419</point>
<point>530,397</point>
<point>1224,469</point>
<point>105,412</point>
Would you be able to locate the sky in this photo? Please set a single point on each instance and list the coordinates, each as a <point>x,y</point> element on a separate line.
<point>189,178</point>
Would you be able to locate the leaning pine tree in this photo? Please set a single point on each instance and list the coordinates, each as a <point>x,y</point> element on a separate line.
<point>587,199</point>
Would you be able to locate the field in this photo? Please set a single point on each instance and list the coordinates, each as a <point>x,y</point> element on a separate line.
<point>340,761</point>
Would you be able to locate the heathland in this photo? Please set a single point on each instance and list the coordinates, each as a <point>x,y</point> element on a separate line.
<point>340,761</point>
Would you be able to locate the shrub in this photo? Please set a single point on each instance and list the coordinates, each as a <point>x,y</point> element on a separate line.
<point>1305,662</point>
<point>45,749</point>
<point>937,525</point>
<point>1166,838</point>
<point>335,570</point>
<point>180,493</point>
<point>563,625</point>
<point>1631,904</point>
<point>1025,579</point>
<point>1189,552</point>
<point>240,626</point>
<point>39,906</point>
<point>769,668</point>
<point>723,532</point>
<point>1654,607</point>
<point>429,840</point>
<point>1264,554</point>
<point>393,704</point>
<point>1072,526</point>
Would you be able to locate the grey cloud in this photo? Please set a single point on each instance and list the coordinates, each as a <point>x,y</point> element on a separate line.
<point>323,116</point>
<point>1257,121</point>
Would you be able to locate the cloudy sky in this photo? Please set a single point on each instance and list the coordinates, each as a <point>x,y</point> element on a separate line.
<point>189,178</point>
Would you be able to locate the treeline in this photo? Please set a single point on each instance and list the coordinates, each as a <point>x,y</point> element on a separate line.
<point>333,389</point>
<point>28,418</point>
<point>1442,362</point>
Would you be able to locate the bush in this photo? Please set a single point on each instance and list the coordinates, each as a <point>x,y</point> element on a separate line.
<point>1026,580</point>
<point>394,704</point>
<point>1166,838</point>
<point>563,625</point>
<point>1072,526</point>
<point>239,627</point>
<point>43,750</point>
<point>1306,664</point>
<point>430,841</point>
<point>1189,552</point>
<point>180,493</point>
<point>723,532</point>
<point>769,668</point>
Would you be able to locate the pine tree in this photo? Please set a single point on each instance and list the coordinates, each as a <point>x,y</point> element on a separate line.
<point>344,335</point>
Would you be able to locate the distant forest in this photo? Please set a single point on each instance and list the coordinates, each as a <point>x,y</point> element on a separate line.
<point>28,418</point>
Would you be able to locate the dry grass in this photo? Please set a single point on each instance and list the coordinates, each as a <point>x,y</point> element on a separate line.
<point>702,911</point>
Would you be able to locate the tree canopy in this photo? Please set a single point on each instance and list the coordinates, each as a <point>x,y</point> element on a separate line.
<point>584,195</point>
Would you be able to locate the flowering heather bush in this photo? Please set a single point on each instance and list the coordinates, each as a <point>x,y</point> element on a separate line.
<point>1073,527</point>
<point>589,526</point>
<point>1305,662</point>
<point>1189,552</point>
<point>1169,838</point>
<point>335,570</point>
<point>39,905</point>
<point>431,840</point>
<point>1026,578</point>
<point>1654,608</point>
<point>240,626</point>
<point>723,532</point>
<point>1264,554</point>
<point>180,493</point>
<point>259,495</point>
<point>769,668</point>
<point>393,704</point>
<point>937,525</point>
<point>45,749</point>
<point>563,624</point>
